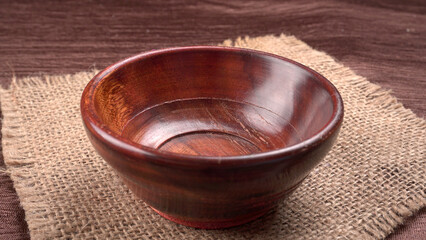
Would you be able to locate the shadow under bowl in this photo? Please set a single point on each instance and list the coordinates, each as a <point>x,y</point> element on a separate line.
<point>211,137</point>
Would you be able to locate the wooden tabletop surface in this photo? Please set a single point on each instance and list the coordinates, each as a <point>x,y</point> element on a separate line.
<point>384,41</point>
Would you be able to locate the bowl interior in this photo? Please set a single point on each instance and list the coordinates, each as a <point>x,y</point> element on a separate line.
<point>213,102</point>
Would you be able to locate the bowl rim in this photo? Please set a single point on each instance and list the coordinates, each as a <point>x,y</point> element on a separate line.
<point>139,152</point>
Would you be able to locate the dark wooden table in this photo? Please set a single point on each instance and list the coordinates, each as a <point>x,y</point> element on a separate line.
<point>384,41</point>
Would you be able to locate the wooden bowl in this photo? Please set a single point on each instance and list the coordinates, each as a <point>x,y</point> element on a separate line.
<point>211,137</point>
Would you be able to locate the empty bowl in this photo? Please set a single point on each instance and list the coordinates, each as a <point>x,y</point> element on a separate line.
<point>211,137</point>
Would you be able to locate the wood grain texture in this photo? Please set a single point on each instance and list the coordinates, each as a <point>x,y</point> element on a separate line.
<point>385,45</point>
<point>211,137</point>
<point>381,40</point>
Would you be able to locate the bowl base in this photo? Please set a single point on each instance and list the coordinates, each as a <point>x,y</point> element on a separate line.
<point>209,143</point>
<point>216,224</point>
<point>210,127</point>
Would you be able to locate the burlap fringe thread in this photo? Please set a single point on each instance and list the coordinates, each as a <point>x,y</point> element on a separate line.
<point>18,154</point>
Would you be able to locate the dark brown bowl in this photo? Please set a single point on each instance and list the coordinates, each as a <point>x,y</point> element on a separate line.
<point>211,137</point>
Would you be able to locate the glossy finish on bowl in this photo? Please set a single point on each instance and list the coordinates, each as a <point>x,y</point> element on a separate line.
<point>211,137</point>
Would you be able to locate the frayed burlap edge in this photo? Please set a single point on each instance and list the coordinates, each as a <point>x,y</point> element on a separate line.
<point>18,158</point>
<point>385,224</point>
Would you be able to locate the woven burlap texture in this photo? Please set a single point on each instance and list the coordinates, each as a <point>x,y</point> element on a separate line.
<point>372,179</point>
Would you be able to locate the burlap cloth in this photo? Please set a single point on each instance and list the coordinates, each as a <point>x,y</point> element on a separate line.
<point>373,178</point>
